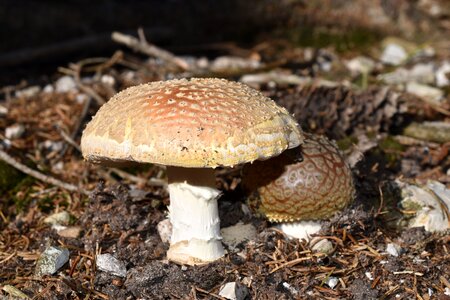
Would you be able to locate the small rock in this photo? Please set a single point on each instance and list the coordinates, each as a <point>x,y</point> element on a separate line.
<point>108,79</point>
<point>52,145</point>
<point>447,291</point>
<point>332,282</point>
<point>165,230</point>
<point>433,131</point>
<point>6,143</point>
<point>290,288</point>
<point>3,111</point>
<point>14,292</point>
<point>14,131</point>
<point>65,84</point>
<point>360,65</point>
<point>81,98</point>
<point>137,194</point>
<point>394,54</point>
<point>61,218</point>
<point>233,291</point>
<point>443,74</point>
<point>369,275</point>
<point>51,260</point>
<point>202,63</point>
<point>420,73</point>
<point>71,232</point>
<point>245,209</point>
<point>424,91</point>
<point>234,235</point>
<point>28,92</point>
<point>48,88</point>
<point>427,205</point>
<point>322,246</point>
<point>393,249</point>
<point>247,280</point>
<point>58,167</point>
<point>108,263</point>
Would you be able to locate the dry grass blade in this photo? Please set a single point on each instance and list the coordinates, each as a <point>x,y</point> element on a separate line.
<point>42,177</point>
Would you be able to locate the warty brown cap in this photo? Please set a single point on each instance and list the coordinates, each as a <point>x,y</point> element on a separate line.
<point>201,122</point>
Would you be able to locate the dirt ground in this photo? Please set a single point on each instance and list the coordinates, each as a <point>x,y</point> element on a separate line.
<point>116,210</point>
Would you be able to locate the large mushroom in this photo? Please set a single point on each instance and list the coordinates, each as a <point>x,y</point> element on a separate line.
<point>190,126</point>
<point>301,186</point>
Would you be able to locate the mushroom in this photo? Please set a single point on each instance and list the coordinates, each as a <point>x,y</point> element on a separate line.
<point>190,126</point>
<point>302,185</point>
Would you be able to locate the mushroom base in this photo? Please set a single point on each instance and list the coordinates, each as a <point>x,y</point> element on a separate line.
<point>300,230</point>
<point>194,215</point>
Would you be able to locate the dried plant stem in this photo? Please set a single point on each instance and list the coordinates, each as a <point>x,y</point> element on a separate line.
<point>42,177</point>
<point>141,45</point>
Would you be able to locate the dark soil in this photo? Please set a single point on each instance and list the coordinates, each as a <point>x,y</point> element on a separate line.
<point>120,214</point>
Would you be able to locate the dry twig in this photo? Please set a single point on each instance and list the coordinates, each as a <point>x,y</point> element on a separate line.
<point>141,45</point>
<point>42,177</point>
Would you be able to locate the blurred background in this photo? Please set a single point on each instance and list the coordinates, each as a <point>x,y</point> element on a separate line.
<point>39,35</point>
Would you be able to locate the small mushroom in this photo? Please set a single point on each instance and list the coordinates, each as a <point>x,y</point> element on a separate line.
<point>302,185</point>
<point>191,126</point>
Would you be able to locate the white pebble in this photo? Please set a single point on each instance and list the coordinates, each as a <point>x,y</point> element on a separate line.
<point>394,54</point>
<point>51,260</point>
<point>332,282</point>
<point>393,249</point>
<point>165,230</point>
<point>65,84</point>
<point>233,291</point>
<point>15,131</point>
<point>108,263</point>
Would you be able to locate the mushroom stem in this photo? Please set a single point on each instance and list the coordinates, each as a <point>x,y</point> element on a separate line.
<point>194,215</point>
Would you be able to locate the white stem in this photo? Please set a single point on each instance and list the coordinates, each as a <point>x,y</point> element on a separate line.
<point>194,215</point>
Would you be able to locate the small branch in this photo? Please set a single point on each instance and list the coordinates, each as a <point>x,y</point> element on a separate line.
<point>141,45</point>
<point>42,177</point>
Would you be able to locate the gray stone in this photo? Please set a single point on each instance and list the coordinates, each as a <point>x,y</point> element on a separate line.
<point>51,260</point>
<point>291,289</point>
<point>394,54</point>
<point>165,230</point>
<point>443,75</point>
<point>14,131</point>
<point>393,249</point>
<point>332,282</point>
<point>110,264</point>
<point>233,291</point>
<point>430,204</point>
<point>360,64</point>
<point>424,91</point>
<point>420,73</point>
<point>61,218</point>
<point>65,84</point>
<point>322,246</point>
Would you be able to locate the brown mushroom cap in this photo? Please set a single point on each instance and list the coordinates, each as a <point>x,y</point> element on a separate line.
<point>189,123</point>
<point>310,182</point>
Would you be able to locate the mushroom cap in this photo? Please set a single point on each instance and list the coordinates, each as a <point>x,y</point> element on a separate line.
<point>189,123</point>
<point>310,182</point>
